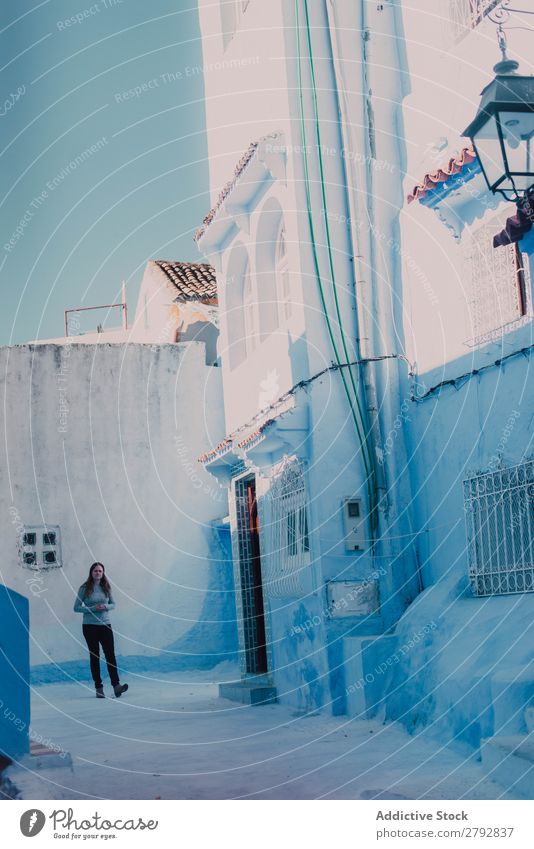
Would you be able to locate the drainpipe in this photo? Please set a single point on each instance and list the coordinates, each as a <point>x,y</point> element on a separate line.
<point>363,288</point>
<point>372,319</point>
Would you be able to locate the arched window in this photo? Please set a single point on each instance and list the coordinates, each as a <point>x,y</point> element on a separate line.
<point>272,269</point>
<point>240,314</point>
<point>282,275</point>
<point>249,310</point>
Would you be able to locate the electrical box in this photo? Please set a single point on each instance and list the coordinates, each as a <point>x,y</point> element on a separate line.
<point>352,598</point>
<point>353,524</point>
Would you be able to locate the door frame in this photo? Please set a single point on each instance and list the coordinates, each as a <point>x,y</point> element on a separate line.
<point>241,480</point>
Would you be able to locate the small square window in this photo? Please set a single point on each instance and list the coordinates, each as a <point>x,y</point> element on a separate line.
<point>354,509</point>
<point>40,547</point>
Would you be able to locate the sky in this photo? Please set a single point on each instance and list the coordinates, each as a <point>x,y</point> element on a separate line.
<point>102,152</point>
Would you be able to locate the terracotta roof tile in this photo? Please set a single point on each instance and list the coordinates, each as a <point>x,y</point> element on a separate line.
<point>260,422</point>
<point>214,452</point>
<point>454,166</point>
<point>194,281</point>
<point>252,437</point>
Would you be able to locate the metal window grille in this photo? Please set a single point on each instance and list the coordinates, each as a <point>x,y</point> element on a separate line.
<point>499,508</point>
<point>40,547</point>
<point>286,532</point>
<point>465,15</point>
<point>499,298</point>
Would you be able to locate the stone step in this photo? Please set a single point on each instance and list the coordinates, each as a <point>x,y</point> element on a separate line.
<point>248,692</point>
<point>510,762</point>
<point>43,756</point>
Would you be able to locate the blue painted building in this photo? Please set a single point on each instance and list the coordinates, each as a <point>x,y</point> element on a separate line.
<point>467,295</point>
<point>375,350</point>
<point>314,372</point>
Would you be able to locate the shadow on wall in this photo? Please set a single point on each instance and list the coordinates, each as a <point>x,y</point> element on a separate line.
<point>210,641</point>
<point>213,638</point>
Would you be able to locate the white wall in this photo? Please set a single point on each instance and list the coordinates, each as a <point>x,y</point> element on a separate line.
<point>155,320</point>
<point>446,79</point>
<point>102,441</point>
<point>266,372</point>
<point>245,85</point>
<point>156,317</point>
<point>246,89</point>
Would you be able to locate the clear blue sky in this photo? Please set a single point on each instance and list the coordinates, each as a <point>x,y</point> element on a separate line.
<point>95,179</point>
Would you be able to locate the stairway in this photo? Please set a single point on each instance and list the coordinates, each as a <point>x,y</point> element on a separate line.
<point>252,690</point>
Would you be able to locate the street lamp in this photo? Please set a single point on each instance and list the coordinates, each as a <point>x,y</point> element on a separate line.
<point>502,132</point>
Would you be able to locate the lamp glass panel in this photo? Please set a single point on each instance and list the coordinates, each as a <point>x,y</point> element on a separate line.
<point>518,137</point>
<point>489,150</point>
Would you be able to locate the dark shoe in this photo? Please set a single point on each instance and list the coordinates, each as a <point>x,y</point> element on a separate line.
<point>119,689</point>
<point>100,693</point>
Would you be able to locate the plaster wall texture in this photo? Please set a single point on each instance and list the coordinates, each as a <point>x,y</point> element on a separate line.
<point>245,84</point>
<point>438,317</point>
<point>470,675</point>
<point>301,346</point>
<point>102,441</point>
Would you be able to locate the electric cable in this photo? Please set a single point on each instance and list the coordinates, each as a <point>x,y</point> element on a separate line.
<point>370,474</point>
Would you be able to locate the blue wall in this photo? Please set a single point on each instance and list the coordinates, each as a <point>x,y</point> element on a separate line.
<point>470,674</point>
<point>210,641</point>
<point>14,673</point>
<point>300,674</point>
<point>213,638</point>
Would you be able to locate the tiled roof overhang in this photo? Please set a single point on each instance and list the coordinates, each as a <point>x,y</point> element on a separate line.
<point>457,193</point>
<point>263,162</point>
<point>194,281</point>
<point>251,431</point>
<point>280,429</point>
<point>445,185</point>
<point>458,165</point>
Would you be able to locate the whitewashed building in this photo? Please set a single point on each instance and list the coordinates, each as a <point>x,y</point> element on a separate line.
<point>376,362</point>
<point>100,438</point>
<point>468,322</point>
<point>310,339</point>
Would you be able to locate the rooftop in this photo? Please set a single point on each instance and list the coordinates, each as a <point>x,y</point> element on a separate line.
<point>194,281</point>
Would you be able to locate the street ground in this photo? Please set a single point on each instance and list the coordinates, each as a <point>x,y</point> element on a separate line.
<point>171,737</point>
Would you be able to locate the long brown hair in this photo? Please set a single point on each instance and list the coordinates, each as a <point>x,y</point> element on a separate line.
<point>89,584</point>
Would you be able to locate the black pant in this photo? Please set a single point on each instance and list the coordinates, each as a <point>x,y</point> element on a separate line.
<point>96,636</point>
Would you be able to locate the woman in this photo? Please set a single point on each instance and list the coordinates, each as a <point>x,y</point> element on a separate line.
<point>94,600</point>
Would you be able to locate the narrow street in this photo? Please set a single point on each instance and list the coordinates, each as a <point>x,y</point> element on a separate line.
<point>171,737</point>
